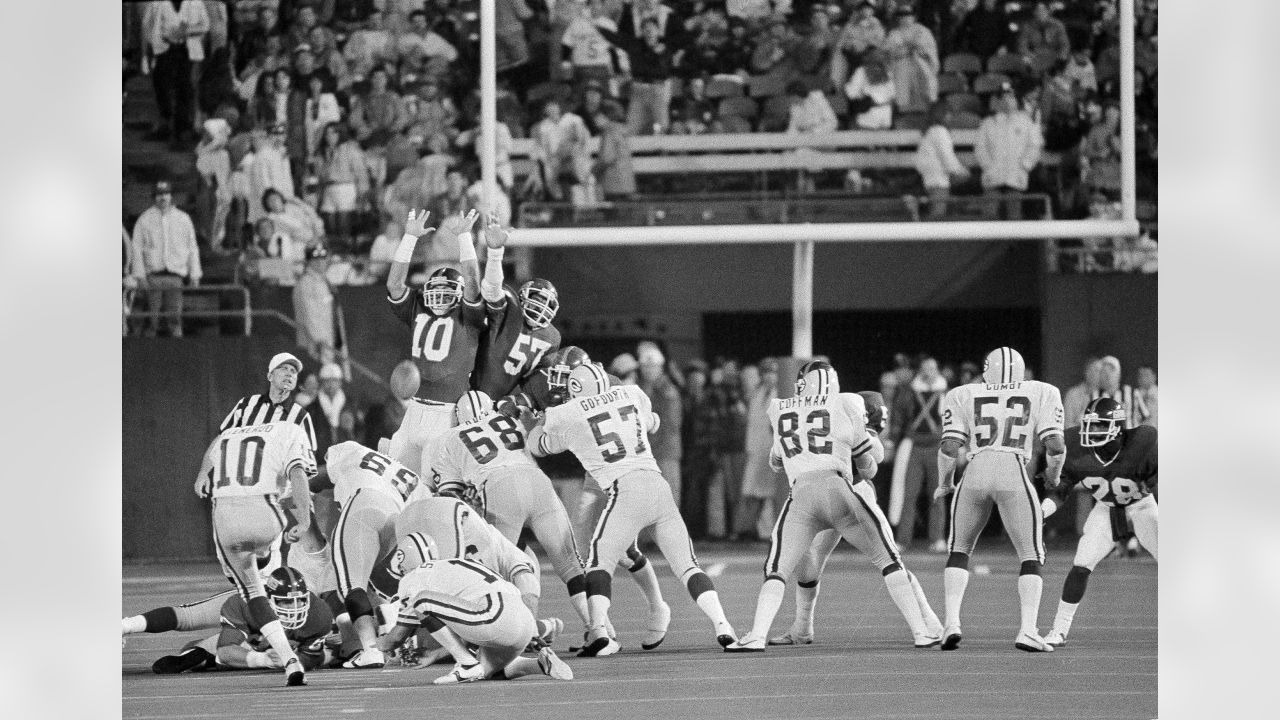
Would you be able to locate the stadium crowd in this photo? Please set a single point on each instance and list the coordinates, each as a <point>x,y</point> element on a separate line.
<point>322,121</point>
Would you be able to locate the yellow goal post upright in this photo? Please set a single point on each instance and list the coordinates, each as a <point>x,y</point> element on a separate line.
<point>803,236</point>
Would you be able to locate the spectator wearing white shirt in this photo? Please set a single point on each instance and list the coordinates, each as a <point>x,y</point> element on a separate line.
<point>174,32</point>
<point>936,161</point>
<point>871,93</point>
<point>591,56</point>
<point>1149,394</point>
<point>1008,148</point>
<point>561,149</point>
<point>810,114</point>
<point>369,47</point>
<point>165,257</point>
<point>313,306</point>
<point>422,44</point>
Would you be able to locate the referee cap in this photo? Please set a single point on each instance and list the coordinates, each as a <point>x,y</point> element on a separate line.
<point>283,359</point>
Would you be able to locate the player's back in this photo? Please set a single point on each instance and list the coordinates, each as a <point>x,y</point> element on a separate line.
<point>353,466</point>
<point>818,433</point>
<point>1002,417</point>
<point>256,459</point>
<point>509,351</point>
<point>465,579</point>
<point>443,347</point>
<point>606,432</point>
<point>483,446</point>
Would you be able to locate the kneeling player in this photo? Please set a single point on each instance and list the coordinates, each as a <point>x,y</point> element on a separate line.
<point>1119,467</point>
<point>461,601</point>
<point>817,436</point>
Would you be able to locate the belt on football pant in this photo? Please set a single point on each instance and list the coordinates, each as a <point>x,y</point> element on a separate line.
<point>436,403</point>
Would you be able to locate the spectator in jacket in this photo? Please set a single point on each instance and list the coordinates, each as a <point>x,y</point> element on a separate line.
<point>985,30</point>
<point>937,163</point>
<point>871,94</point>
<point>916,418</point>
<point>376,114</point>
<point>861,35</point>
<point>665,443</point>
<point>810,111</point>
<point>759,481</point>
<point>1007,149</point>
<point>561,150</point>
<point>1044,34</point>
<point>165,257</point>
<point>334,414</point>
<point>653,57</point>
<point>369,47</point>
<point>174,34</point>
<point>617,177</point>
<point>344,181</point>
<point>697,459</point>
<point>313,306</point>
<point>913,57</point>
<point>294,218</point>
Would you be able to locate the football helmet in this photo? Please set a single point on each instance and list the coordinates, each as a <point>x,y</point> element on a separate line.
<point>1003,365</point>
<point>473,405</point>
<point>443,291</point>
<point>1102,422</point>
<point>561,363</point>
<point>539,302</point>
<point>817,377</point>
<point>588,379</point>
<point>414,550</point>
<point>287,592</point>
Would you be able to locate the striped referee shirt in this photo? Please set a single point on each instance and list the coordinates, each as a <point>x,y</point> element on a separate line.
<point>258,409</point>
<point>1131,399</point>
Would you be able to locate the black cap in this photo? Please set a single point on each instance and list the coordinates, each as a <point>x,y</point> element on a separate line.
<point>317,252</point>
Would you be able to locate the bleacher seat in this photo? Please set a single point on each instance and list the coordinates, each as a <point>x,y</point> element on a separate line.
<point>911,121</point>
<point>766,85</point>
<point>1008,63</point>
<point>964,121</point>
<point>743,107</point>
<point>964,102</point>
<point>719,88</point>
<point>952,83</point>
<point>962,62</point>
<point>988,83</point>
<point>839,103</point>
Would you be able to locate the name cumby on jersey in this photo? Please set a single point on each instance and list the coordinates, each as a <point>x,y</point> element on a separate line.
<point>473,451</point>
<point>1125,480</point>
<point>819,433</point>
<point>510,352</point>
<point>463,579</point>
<point>444,348</point>
<point>606,432</point>
<point>256,459</point>
<point>353,466</point>
<point>1002,417</point>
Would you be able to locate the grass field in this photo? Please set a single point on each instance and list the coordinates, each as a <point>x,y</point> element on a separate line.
<point>861,665</point>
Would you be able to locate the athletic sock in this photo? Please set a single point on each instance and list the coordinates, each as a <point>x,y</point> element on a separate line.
<point>1029,588</point>
<point>579,603</point>
<point>647,579</point>
<point>131,625</point>
<point>954,582</point>
<point>274,633</point>
<point>806,600</point>
<point>904,597</point>
<point>926,610</point>
<point>1066,613</point>
<point>767,604</point>
<point>599,611</point>
<point>520,667</point>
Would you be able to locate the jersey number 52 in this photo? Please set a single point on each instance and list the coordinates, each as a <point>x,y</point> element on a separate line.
<point>1014,421</point>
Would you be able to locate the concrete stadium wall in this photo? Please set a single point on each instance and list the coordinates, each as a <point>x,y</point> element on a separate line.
<point>1087,315</point>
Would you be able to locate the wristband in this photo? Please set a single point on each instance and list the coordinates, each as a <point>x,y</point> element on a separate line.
<point>495,255</point>
<point>404,252</point>
<point>466,247</point>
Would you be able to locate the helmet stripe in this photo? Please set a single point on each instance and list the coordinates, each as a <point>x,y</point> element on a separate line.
<point>1006,372</point>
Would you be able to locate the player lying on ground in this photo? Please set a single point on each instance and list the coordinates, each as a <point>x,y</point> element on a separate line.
<point>605,429</point>
<point>462,601</point>
<point>818,435</point>
<point>242,645</point>
<point>809,572</point>
<point>996,421</point>
<point>1120,467</point>
<point>548,388</point>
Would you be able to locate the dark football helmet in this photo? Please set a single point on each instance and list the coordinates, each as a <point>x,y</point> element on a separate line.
<point>561,363</point>
<point>539,302</point>
<point>289,597</point>
<point>1102,422</point>
<point>817,377</point>
<point>443,291</point>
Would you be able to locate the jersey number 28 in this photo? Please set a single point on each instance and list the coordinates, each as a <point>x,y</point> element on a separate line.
<point>1120,491</point>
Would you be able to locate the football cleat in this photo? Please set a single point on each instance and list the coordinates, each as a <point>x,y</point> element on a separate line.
<point>951,638</point>
<point>369,658</point>
<point>928,640</point>
<point>725,634</point>
<point>461,674</point>
<point>656,628</point>
<point>190,659</point>
<point>792,637</point>
<point>1031,643</point>
<point>552,666</point>
<point>555,627</point>
<point>1055,639</point>
<point>599,644</point>
<point>745,645</point>
<point>573,648</point>
<point>293,675</point>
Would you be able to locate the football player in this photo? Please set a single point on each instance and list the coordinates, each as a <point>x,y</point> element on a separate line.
<point>548,388</point>
<point>241,645</point>
<point>809,572</point>
<point>371,489</point>
<point>461,601</point>
<point>1119,466</point>
<point>488,452</point>
<point>253,465</point>
<point>997,421</point>
<point>605,429</point>
<point>520,332</point>
<point>448,319</point>
<point>820,440</point>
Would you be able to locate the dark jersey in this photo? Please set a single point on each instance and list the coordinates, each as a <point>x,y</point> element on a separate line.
<point>1125,480</point>
<point>877,411</point>
<point>444,348</point>
<point>509,351</point>
<point>308,641</point>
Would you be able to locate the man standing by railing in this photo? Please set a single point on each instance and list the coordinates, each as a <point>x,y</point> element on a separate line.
<point>165,257</point>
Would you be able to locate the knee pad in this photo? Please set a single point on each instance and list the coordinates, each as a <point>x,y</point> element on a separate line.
<point>261,611</point>
<point>808,584</point>
<point>331,599</point>
<point>958,560</point>
<point>1029,567</point>
<point>357,604</point>
<point>577,584</point>
<point>637,558</point>
<point>699,583</point>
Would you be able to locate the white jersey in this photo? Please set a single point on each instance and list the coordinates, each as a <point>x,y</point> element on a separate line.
<point>353,466</point>
<point>463,579</point>
<point>606,432</point>
<point>256,459</point>
<point>470,453</point>
<point>819,433</point>
<point>1002,417</point>
<point>498,553</point>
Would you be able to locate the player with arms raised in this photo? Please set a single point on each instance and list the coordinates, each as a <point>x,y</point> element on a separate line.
<point>245,470</point>
<point>605,429</point>
<point>448,320</point>
<point>997,421</point>
<point>1120,468</point>
<point>820,440</point>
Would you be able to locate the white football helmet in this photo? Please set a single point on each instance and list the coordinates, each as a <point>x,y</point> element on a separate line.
<point>473,405</point>
<point>1003,365</point>
<point>588,379</point>
<point>413,551</point>
<point>817,377</point>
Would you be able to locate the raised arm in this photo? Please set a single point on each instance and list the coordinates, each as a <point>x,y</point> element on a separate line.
<point>467,256</point>
<point>414,228</point>
<point>495,237</point>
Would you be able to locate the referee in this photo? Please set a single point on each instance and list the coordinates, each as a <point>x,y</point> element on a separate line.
<point>277,404</point>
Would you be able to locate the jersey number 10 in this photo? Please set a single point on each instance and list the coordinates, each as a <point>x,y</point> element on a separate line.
<point>432,337</point>
<point>259,444</point>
